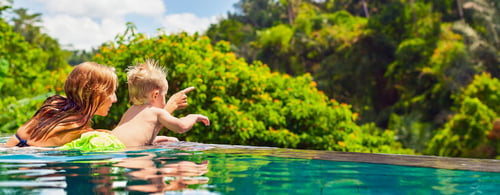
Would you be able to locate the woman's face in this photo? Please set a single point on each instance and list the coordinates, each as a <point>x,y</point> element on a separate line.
<point>104,109</point>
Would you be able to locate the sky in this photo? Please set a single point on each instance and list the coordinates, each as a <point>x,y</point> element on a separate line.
<point>86,24</point>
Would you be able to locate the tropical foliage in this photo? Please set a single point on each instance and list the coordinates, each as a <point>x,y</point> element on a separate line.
<point>473,130</point>
<point>247,103</point>
<point>32,67</point>
<point>28,74</point>
<point>399,63</point>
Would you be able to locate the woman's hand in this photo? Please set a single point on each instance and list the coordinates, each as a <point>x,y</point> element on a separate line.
<point>178,100</point>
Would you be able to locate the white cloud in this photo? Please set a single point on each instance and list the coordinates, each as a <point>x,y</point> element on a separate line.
<point>187,22</point>
<point>4,2</point>
<point>105,8</point>
<point>86,24</point>
<point>82,32</point>
<point>89,23</point>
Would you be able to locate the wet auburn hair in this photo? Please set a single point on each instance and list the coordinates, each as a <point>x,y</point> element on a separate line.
<point>86,87</point>
<point>144,78</point>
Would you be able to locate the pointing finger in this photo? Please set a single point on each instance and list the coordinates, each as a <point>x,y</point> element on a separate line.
<point>187,90</point>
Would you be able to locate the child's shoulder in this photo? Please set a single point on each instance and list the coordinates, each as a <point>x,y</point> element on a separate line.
<point>146,109</point>
<point>156,110</point>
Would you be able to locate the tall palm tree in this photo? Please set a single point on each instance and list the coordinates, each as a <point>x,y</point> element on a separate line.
<point>4,5</point>
<point>27,24</point>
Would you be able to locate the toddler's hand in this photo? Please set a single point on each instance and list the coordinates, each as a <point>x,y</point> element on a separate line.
<point>160,139</point>
<point>204,120</point>
<point>178,100</point>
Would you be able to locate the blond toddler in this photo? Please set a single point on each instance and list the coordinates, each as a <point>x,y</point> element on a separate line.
<point>142,122</point>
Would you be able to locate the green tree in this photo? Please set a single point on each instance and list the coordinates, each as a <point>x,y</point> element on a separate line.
<point>259,13</point>
<point>79,56</point>
<point>467,133</point>
<point>5,5</point>
<point>25,81</point>
<point>247,103</point>
<point>399,63</point>
<point>480,29</point>
<point>29,26</point>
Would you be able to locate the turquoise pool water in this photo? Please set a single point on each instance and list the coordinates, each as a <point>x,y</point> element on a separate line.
<point>193,168</point>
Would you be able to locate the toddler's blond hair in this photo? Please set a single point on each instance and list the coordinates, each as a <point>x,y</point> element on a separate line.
<point>144,78</point>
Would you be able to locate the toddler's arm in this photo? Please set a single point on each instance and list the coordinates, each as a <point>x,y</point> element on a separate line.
<point>181,125</point>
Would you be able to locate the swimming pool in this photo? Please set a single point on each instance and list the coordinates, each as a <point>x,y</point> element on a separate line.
<point>193,168</point>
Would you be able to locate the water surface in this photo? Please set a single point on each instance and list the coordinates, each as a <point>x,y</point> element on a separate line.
<point>193,168</point>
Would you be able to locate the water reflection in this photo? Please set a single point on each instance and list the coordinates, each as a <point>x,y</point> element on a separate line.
<point>219,169</point>
<point>74,178</point>
<point>153,174</point>
<point>49,172</point>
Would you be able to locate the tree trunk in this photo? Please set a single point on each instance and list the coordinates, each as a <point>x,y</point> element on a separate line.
<point>365,8</point>
<point>460,10</point>
<point>291,12</point>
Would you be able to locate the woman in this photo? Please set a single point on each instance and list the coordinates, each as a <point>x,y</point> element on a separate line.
<point>90,90</point>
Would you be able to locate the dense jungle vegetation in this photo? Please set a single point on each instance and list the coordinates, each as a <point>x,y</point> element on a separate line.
<point>391,76</point>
